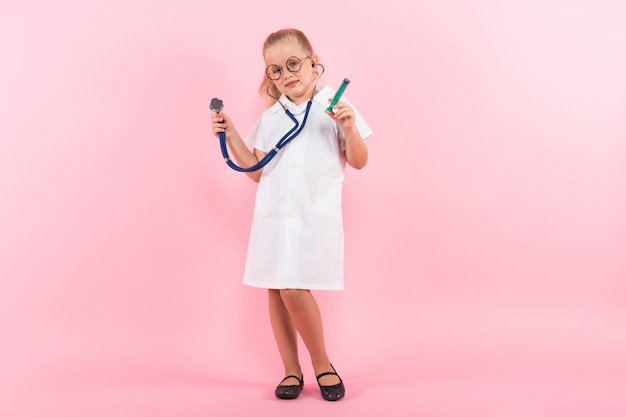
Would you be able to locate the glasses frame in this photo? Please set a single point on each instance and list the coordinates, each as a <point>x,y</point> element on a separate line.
<point>280,69</point>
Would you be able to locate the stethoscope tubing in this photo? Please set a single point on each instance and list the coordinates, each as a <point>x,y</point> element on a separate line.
<point>288,137</point>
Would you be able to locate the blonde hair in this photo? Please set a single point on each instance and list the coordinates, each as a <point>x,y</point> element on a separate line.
<point>276,37</point>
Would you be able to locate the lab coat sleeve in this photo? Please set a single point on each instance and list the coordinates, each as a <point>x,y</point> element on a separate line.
<point>255,137</point>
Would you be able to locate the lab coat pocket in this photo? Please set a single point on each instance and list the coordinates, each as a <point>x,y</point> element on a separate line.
<point>328,200</point>
<point>262,202</point>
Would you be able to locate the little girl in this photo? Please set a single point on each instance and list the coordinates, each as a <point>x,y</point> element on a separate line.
<point>296,239</point>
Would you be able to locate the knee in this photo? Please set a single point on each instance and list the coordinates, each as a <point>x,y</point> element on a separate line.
<point>295,299</point>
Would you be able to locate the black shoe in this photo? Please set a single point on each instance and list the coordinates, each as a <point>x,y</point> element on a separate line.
<point>289,392</point>
<point>332,392</point>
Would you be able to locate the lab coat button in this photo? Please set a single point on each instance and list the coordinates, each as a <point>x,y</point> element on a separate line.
<point>293,164</point>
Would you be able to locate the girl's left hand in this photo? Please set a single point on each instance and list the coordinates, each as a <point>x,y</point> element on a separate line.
<point>343,114</point>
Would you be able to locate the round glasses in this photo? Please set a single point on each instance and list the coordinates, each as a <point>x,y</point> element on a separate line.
<point>293,64</point>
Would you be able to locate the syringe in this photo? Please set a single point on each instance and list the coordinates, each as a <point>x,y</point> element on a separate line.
<point>339,93</point>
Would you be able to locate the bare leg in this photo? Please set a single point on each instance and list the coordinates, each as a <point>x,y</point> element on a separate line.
<point>285,335</point>
<point>306,317</point>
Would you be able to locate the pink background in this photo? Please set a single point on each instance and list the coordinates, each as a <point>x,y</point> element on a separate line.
<point>485,240</point>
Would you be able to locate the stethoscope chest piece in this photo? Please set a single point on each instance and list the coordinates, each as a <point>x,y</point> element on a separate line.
<point>216,105</point>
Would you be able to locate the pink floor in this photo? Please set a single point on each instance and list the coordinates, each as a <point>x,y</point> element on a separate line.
<point>405,386</point>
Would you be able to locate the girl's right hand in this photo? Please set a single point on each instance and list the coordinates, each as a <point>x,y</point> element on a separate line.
<point>221,123</point>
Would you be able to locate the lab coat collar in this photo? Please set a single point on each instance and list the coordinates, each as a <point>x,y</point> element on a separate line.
<point>321,97</point>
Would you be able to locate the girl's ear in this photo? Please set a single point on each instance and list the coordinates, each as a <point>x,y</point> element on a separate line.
<point>314,60</point>
<point>314,64</point>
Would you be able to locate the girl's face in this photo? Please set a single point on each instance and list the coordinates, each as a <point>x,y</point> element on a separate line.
<point>299,84</point>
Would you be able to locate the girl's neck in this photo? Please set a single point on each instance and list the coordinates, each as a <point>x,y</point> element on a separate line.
<point>304,98</point>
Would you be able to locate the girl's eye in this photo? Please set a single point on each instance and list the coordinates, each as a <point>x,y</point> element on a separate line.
<point>293,64</point>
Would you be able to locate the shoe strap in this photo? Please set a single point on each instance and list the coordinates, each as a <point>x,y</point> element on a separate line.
<point>328,373</point>
<point>291,376</point>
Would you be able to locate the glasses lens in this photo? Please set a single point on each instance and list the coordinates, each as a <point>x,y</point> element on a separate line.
<point>273,72</point>
<point>293,64</point>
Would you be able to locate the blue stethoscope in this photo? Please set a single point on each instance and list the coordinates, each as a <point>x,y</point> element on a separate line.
<point>217,105</point>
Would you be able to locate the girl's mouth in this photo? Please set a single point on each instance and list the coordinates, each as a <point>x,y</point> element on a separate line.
<point>291,84</point>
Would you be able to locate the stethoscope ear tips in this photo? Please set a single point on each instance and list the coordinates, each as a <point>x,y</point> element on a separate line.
<point>216,105</point>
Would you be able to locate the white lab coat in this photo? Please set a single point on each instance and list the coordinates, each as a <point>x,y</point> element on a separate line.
<point>296,238</point>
